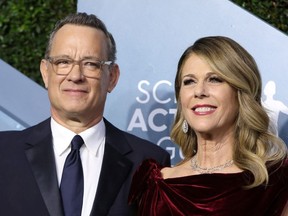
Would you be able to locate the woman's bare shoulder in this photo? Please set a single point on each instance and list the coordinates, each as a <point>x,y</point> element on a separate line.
<point>177,171</point>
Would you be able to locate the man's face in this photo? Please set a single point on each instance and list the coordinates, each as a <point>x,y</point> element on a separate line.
<point>74,97</point>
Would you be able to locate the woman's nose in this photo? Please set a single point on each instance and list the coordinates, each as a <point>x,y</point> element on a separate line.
<point>200,90</point>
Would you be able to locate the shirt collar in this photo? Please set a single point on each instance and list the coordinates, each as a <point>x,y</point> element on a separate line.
<point>93,137</point>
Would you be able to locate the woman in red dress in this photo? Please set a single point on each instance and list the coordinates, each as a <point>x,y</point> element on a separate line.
<point>233,165</point>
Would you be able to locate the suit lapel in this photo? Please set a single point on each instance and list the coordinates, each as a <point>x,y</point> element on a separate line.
<point>114,171</point>
<point>40,154</point>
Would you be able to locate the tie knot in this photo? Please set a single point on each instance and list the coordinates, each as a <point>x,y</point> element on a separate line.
<point>76,142</point>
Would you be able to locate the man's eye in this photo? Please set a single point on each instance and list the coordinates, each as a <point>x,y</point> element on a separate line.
<point>92,65</point>
<point>62,62</point>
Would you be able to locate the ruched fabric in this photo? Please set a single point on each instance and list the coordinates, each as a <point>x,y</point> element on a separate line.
<point>207,194</point>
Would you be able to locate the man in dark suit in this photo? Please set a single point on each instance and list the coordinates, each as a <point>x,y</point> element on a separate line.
<point>79,70</point>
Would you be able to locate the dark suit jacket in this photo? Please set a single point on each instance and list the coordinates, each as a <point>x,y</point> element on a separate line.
<point>28,179</point>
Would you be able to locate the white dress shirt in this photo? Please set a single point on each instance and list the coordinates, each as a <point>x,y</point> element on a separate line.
<point>91,154</point>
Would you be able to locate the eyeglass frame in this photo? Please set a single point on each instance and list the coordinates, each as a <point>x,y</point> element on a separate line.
<point>74,62</point>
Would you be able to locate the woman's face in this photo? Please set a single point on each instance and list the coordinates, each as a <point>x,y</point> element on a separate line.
<point>209,103</point>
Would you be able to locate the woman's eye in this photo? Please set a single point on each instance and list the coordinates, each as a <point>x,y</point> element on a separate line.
<point>215,79</point>
<point>188,82</point>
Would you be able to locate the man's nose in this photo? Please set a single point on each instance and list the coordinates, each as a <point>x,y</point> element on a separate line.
<point>76,73</point>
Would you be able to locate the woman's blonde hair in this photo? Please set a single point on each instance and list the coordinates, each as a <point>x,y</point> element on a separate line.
<point>255,147</point>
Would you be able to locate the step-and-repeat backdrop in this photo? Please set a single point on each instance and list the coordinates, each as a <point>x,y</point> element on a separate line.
<point>152,34</point>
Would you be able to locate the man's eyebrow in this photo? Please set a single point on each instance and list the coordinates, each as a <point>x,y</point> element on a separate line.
<point>62,56</point>
<point>90,57</point>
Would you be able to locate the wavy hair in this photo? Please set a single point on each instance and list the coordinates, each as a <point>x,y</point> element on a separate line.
<point>255,148</point>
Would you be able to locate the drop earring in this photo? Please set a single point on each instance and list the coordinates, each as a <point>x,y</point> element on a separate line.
<point>185,126</point>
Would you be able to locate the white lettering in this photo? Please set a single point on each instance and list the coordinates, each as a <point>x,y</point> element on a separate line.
<point>173,111</point>
<point>137,121</point>
<point>155,92</point>
<point>171,150</point>
<point>145,92</point>
<point>151,120</point>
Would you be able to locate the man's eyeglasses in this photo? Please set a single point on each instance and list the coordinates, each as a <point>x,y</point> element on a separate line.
<point>89,67</point>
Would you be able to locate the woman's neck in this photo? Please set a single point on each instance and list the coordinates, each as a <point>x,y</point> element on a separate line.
<point>213,152</point>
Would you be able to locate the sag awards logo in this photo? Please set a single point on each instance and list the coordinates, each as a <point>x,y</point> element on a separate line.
<point>277,111</point>
<point>153,115</point>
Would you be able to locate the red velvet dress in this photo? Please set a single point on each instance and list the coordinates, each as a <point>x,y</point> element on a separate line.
<point>207,194</point>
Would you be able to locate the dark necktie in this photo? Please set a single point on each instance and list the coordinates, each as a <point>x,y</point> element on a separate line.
<point>72,180</point>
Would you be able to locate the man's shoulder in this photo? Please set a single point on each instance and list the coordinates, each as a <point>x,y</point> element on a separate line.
<point>129,137</point>
<point>10,135</point>
<point>140,148</point>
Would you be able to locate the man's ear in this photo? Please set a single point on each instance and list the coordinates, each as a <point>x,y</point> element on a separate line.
<point>44,72</point>
<point>114,74</point>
